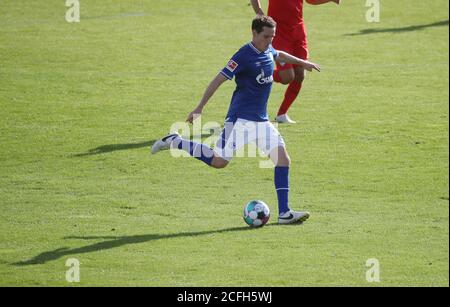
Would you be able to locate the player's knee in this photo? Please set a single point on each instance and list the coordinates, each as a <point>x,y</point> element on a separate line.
<point>287,76</point>
<point>281,158</point>
<point>286,80</point>
<point>219,163</point>
<point>300,77</point>
<point>284,161</point>
<point>219,166</point>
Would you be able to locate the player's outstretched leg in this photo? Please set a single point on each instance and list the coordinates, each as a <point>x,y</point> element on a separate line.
<point>282,161</point>
<point>199,151</point>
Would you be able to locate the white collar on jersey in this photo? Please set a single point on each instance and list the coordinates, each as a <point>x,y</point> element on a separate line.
<point>254,48</point>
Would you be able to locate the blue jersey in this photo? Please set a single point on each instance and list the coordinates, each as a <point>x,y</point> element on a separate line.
<point>253,72</point>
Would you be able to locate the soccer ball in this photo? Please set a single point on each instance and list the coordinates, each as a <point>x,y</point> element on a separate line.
<point>256,213</point>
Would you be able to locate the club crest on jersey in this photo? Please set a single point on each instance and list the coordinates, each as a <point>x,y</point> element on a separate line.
<point>232,65</point>
<point>262,79</point>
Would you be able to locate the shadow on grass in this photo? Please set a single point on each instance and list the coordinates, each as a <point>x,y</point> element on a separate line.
<point>115,242</point>
<point>127,146</point>
<point>400,30</point>
<point>115,147</point>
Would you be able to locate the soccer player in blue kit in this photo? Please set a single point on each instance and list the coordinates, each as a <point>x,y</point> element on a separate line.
<point>247,120</point>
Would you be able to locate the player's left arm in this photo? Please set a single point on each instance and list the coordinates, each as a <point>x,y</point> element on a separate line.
<point>284,57</point>
<point>317,2</point>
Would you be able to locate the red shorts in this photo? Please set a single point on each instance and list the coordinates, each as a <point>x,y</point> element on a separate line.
<point>292,41</point>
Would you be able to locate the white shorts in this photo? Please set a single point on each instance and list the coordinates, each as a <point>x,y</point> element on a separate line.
<point>235,135</point>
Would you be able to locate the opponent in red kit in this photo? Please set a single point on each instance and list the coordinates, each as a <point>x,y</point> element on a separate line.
<point>291,38</point>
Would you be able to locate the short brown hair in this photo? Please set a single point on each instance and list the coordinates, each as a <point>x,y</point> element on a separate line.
<point>263,21</point>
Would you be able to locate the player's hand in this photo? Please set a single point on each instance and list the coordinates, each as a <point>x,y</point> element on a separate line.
<point>336,1</point>
<point>309,66</point>
<point>194,115</point>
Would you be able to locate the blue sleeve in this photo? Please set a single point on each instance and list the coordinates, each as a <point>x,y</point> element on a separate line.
<point>235,65</point>
<point>274,52</point>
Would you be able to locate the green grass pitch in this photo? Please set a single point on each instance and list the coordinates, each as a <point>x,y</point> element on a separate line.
<point>81,103</point>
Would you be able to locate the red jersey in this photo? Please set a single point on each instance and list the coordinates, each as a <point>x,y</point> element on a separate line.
<point>287,13</point>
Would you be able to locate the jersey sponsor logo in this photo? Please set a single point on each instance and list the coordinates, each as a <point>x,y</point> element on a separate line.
<point>262,79</point>
<point>232,65</point>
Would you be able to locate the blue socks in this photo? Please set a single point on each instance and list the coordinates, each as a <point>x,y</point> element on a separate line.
<point>282,187</point>
<point>196,150</point>
<point>206,154</point>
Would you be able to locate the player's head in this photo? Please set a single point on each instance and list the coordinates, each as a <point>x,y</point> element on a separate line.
<point>263,28</point>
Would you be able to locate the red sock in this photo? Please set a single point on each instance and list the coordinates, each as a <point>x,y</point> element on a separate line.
<point>291,94</point>
<point>276,76</point>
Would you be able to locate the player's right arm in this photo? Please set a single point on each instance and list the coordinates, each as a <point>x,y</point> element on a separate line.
<point>257,7</point>
<point>209,92</point>
<point>234,66</point>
